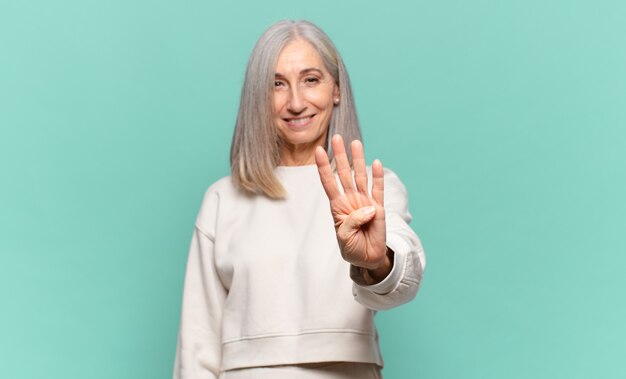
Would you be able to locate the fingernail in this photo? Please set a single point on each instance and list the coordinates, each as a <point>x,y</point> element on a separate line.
<point>368,211</point>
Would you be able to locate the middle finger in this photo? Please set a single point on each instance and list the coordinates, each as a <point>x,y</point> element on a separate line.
<point>358,161</point>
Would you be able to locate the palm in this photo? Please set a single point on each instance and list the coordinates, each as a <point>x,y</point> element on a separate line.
<point>361,236</point>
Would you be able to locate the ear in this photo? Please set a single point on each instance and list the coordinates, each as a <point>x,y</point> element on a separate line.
<point>336,91</point>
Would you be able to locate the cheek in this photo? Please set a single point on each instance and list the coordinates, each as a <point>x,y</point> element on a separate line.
<point>279,102</point>
<point>321,99</point>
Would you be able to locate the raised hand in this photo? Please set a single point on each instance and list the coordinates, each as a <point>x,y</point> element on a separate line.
<point>359,218</point>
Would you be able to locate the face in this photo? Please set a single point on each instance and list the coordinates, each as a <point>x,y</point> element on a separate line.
<point>304,96</point>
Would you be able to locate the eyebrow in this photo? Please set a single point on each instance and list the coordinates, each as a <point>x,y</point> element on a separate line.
<point>302,72</point>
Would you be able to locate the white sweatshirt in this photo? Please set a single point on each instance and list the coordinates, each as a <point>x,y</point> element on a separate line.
<point>266,285</point>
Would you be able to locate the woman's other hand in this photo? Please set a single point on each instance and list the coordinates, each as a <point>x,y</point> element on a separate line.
<point>359,217</point>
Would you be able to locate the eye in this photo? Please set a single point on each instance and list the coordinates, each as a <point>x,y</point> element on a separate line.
<point>311,80</point>
<point>278,84</point>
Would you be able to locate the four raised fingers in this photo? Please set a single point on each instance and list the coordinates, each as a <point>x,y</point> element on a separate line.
<point>345,172</point>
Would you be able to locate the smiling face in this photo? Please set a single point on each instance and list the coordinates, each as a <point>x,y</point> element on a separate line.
<point>304,97</point>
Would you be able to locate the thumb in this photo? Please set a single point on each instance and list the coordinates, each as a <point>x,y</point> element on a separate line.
<point>360,216</point>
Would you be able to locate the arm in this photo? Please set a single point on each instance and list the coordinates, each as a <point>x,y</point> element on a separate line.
<point>199,351</point>
<point>374,237</point>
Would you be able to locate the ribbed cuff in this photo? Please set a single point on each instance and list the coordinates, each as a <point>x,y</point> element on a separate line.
<point>400,248</point>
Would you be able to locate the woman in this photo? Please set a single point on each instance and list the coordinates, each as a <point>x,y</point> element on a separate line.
<point>267,293</point>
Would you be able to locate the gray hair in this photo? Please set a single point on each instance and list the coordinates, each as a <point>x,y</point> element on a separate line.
<point>255,146</point>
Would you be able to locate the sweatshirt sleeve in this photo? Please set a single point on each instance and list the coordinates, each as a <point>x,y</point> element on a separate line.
<point>199,352</point>
<point>403,282</point>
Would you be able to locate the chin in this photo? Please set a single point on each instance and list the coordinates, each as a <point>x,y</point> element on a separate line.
<point>303,137</point>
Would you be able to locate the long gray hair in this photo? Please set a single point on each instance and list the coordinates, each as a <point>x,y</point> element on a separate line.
<point>254,150</point>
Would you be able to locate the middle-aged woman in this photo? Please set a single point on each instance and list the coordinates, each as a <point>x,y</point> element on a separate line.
<point>292,255</point>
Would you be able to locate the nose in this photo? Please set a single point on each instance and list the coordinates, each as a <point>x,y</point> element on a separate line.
<point>296,101</point>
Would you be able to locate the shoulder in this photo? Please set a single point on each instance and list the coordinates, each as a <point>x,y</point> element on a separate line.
<point>396,195</point>
<point>221,186</point>
<point>214,199</point>
<point>393,184</point>
<point>392,179</point>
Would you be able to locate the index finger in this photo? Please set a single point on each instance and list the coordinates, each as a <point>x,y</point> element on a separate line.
<point>326,173</point>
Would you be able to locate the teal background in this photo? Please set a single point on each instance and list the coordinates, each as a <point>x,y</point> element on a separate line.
<point>505,119</point>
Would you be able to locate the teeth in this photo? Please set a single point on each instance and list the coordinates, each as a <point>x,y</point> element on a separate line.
<point>299,121</point>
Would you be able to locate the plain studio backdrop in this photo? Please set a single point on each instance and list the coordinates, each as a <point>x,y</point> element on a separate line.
<point>506,120</point>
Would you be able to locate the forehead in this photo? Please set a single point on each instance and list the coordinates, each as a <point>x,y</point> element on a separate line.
<point>298,55</point>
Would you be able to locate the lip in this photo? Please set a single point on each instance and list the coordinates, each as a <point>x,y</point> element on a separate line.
<point>296,123</point>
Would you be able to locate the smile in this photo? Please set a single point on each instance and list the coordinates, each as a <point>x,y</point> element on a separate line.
<point>300,121</point>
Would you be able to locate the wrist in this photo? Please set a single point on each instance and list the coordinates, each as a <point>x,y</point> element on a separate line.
<point>364,276</point>
<point>380,273</point>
